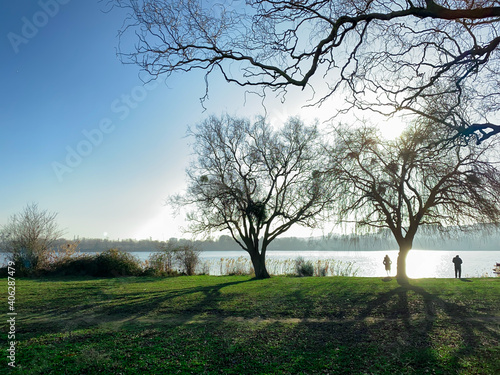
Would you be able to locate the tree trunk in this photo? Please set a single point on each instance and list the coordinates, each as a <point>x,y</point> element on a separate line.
<point>259,265</point>
<point>404,249</point>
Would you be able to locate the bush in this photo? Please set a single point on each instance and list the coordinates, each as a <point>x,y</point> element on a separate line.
<point>304,268</point>
<point>188,258</point>
<point>24,264</point>
<point>83,265</point>
<point>172,259</point>
<point>29,236</point>
<point>111,263</point>
<point>162,261</point>
<point>114,262</point>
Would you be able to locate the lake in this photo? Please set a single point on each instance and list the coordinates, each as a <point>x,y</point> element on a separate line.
<point>420,263</point>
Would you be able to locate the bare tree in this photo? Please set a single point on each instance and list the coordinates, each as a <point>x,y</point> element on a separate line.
<point>163,259</point>
<point>171,253</point>
<point>412,182</point>
<point>389,55</point>
<point>29,236</point>
<point>188,258</point>
<point>255,182</point>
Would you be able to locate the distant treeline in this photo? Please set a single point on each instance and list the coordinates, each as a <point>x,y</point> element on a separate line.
<point>477,240</point>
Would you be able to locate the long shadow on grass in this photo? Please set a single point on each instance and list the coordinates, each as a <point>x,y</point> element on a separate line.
<point>113,305</point>
<point>400,331</point>
<point>405,330</point>
<point>412,326</point>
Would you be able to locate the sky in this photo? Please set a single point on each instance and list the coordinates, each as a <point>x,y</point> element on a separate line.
<point>83,136</point>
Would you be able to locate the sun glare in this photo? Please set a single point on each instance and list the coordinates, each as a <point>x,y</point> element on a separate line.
<point>391,128</point>
<point>422,263</point>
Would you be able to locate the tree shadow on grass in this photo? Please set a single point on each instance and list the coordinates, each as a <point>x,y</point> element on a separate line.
<point>110,306</point>
<point>443,332</point>
<point>402,330</point>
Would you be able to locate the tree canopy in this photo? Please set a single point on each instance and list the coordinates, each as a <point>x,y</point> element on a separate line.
<point>382,55</point>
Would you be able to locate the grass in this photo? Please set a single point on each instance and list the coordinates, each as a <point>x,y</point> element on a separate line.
<point>236,325</point>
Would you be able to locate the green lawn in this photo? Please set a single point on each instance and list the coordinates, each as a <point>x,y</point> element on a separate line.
<point>236,325</point>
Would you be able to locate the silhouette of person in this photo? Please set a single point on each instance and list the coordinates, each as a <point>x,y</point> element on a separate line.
<point>458,266</point>
<point>387,263</point>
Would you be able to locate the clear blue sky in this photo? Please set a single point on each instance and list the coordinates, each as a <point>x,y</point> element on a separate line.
<point>80,134</point>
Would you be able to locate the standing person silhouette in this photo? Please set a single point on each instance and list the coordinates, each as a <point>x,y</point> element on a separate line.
<point>458,266</point>
<point>387,263</point>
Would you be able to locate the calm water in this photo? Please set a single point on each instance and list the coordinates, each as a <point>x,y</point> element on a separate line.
<point>420,263</point>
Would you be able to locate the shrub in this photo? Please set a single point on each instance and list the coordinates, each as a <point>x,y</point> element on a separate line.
<point>304,268</point>
<point>23,264</point>
<point>162,261</point>
<point>57,257</point>
<point>111,263</point>
<point>83,265</point>
<point>29,236</point>
<point>114,262</point>
<point>66,251</point>
<point>188,258</point>
<point>321,271</point>
<point>173,258</point>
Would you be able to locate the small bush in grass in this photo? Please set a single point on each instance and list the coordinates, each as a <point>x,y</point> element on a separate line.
<point>23,265</point>
<point>163,260</point>
<point>188,258</point>
<point>304,268</point>
<point>173,258</point>
<point>61,255</point>
<point>28,237</point>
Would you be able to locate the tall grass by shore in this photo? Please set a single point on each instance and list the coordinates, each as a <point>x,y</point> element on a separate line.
<point>243,266</point>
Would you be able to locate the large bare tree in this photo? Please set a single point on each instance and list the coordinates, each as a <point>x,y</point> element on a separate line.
<point>254,182</point>
<point>386,55</point>
<point>412,182</point>
<point>29,235</point>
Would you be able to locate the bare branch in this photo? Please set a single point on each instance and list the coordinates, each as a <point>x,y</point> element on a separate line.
<point>383,55</point>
